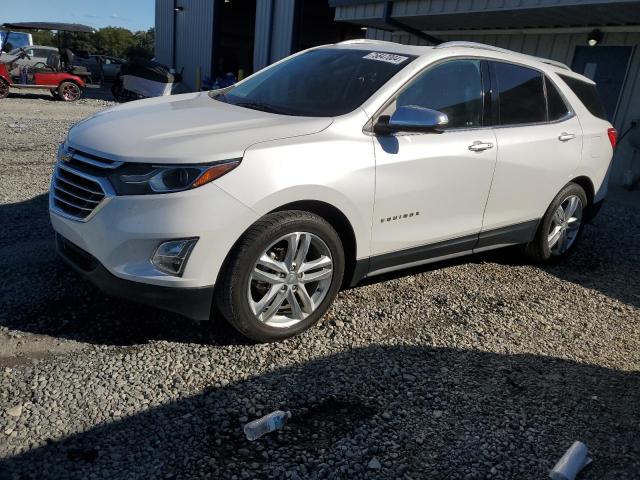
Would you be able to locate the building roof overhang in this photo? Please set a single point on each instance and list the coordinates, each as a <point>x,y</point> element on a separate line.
<point>455,15</point>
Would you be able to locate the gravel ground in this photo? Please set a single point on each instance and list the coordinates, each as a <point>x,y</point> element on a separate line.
<point>486,367</point>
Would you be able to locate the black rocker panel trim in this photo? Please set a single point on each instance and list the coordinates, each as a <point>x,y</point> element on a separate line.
<point>499,237</point>
<point>511,235</point>
<point>423,252</point>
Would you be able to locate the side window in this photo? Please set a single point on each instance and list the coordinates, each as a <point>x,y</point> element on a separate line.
<point>521,94</point>
<point>454,88</point>
<point>555,103</point>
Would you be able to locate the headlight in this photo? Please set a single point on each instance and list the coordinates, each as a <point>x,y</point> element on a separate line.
<point>141,179</point>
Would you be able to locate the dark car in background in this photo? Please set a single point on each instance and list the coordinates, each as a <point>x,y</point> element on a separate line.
<point>103,68</point>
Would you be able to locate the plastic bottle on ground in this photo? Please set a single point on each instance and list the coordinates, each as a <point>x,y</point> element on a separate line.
<point>269,423</point>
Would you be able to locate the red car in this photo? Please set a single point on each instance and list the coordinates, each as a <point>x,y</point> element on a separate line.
<point>67,85</point>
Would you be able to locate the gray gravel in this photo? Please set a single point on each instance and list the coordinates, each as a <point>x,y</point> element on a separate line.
<point>486,367</point>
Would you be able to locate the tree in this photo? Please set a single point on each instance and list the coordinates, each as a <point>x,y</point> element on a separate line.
<point>144,44</point>
<point>43,37</point>
<point>113,41</point>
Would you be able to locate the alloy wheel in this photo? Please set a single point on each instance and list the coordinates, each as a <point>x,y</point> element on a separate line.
<point>290,279</point>
<point>70,92</point>
<point>565,225</point>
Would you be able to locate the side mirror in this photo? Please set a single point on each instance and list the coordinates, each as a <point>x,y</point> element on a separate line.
<point>411,119</point>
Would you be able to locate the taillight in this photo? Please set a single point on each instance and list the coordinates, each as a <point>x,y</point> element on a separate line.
<point>613,137</point>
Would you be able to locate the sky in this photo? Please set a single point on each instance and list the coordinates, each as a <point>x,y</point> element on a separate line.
<point>131,14</point>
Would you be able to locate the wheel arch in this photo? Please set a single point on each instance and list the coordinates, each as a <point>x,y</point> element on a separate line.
<point>339,221</point>
<point>586,183</point>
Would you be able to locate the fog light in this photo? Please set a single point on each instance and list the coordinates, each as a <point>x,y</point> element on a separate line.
<point>171,257</point>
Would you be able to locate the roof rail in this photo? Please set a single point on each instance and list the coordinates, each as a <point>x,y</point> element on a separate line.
<point>482,46</point>
<point>363,40</point>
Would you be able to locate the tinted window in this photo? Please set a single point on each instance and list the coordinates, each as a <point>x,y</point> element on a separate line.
<point>319,83</point>
<point>555,103</point>
<point>454,88</point>
<point>521,93</point>
<point>588,95</point>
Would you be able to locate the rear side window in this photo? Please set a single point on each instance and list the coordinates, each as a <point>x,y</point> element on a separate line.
<point>588,95</point>
<point>454,88</point>
<point>555,103</point>
<point>521,94</point>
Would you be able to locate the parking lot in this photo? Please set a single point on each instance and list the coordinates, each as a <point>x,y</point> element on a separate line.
<point>483,367</point>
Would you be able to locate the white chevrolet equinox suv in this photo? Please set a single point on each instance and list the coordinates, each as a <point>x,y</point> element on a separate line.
<point>337,163</point>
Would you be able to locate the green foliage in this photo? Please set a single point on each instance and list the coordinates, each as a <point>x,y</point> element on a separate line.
<point>115,41</point>
<point>143,44</point>
<point>43,37</point>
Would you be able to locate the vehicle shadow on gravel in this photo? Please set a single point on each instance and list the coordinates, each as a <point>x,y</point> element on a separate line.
<point>422,412</point>
<point>606,259</point>
<point>43,296</point>
<point>101,93</point>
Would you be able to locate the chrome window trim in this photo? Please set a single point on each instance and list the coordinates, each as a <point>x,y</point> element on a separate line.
<point>367,129</point>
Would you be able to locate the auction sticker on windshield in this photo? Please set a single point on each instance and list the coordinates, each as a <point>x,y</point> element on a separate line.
<point>386,57</point>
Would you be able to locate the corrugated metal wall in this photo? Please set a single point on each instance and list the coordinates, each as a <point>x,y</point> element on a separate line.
<point>274,31</point>
<point>561,46</point>
<point>194,39</point>
<point>193,36</point>
<point>164,31</point>
<point>422,7</point>
<point>361,12</point>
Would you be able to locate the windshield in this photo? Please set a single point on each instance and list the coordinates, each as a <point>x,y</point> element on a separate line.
<point>319,83</point>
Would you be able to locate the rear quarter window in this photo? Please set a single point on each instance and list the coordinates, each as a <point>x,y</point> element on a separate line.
<point>587,93</point>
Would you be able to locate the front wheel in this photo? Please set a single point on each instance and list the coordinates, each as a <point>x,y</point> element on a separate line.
<point>282,276</point>
<point>4,89</point>
<point>69,91</point>
<point>561,225</point>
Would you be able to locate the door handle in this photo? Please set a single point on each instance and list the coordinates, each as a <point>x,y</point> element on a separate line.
<point>479,146</point>
<point>565,137</point>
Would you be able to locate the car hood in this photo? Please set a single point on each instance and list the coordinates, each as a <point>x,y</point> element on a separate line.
<point>188,128</point>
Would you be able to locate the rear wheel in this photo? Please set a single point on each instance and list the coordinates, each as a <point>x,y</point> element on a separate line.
<point>4,89</point>
<point>282,277</point>
<point>69,91</point>
<point>561,225</point>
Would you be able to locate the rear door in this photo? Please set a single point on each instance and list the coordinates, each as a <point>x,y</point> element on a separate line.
<point>539,147</point>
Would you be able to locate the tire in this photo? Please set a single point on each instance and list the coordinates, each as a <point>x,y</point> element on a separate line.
<point>69,91</point>
<point>4,89</point>
<point>242,296</point>
<point>116,90</point>
<point>571,202</point>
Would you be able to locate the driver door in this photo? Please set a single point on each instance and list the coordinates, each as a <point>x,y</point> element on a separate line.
<point>432,188</point>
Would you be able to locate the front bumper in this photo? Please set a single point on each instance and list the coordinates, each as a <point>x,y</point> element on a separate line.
<point>194,303</point>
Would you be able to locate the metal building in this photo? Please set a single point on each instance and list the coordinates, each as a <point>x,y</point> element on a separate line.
<point>599,38</point>
<point>208,38</point>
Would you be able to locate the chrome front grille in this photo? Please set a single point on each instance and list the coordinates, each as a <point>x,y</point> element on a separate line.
<point>78,188</point>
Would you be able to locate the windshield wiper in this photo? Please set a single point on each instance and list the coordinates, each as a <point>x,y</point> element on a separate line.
<point>263,107</point>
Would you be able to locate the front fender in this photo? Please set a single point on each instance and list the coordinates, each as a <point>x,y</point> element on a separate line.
<point>324,167</point>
